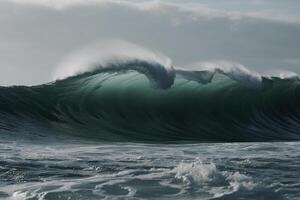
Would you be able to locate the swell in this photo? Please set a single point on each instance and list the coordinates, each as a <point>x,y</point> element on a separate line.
<point>116,103</point>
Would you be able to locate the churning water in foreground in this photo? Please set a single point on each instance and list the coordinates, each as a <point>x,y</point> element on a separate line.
<point>144,171</point>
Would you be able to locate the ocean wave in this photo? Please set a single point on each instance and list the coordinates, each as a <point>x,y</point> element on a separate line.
<point>113,101</point>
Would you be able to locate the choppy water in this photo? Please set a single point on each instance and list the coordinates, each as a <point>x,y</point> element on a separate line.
<point>77,170</point>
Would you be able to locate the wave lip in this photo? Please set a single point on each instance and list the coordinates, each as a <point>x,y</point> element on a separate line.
<point>105,54</point>
<point>159,75</point>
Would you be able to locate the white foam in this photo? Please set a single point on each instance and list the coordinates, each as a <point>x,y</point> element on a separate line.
<point>233,70</point>
<point>199,174</point>
<point>282,74</point>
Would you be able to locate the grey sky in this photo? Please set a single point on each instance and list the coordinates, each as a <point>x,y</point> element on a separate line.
<point>37,35</point>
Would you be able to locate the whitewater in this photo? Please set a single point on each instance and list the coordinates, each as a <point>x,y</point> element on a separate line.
<point>136,126</point>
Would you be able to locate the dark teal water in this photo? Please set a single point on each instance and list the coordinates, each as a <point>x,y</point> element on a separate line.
<point>114,106</point>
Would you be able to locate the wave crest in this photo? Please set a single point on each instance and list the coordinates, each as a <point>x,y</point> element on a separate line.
<point>204,72</point>
<point>118,56</point>
<point>121,56</point>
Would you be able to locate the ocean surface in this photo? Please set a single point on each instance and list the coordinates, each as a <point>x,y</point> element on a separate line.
<point>139,129</point>
<point>79,170</point>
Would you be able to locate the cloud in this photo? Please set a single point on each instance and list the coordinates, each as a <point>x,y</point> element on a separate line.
<point>294,61</point>
<point>37,35</point>
<point>59,4</point>
<point>193,10</point>
<point>257,2</point>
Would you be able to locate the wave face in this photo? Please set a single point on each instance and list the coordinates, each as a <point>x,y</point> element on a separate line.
<point>117,103</point>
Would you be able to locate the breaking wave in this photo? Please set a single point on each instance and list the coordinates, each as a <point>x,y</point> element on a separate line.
<point>113,101</point>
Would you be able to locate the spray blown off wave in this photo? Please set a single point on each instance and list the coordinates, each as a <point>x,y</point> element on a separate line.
<point>115,102</point>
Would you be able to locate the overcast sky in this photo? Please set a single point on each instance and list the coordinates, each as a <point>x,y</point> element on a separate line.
<point>36,36</point>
